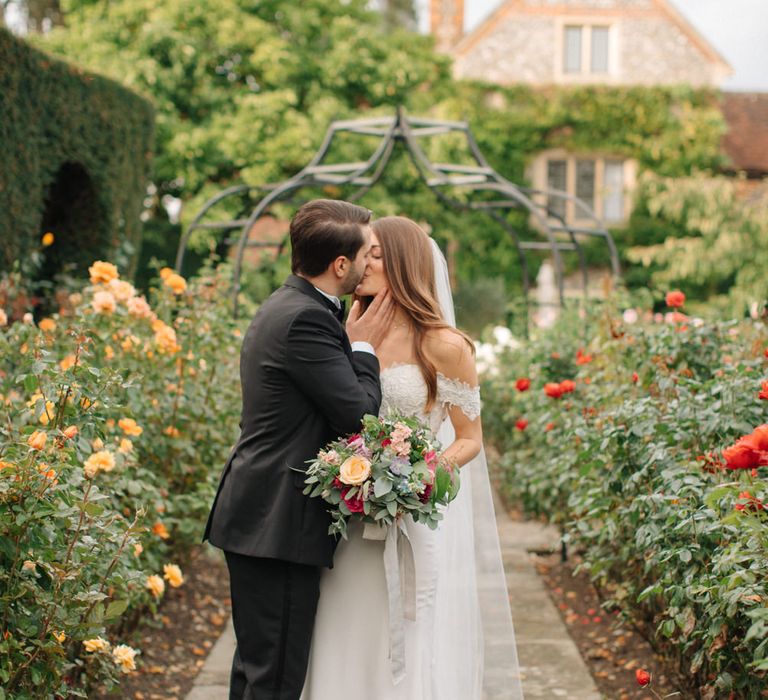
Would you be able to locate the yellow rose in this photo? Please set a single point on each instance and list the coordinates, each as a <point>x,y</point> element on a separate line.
<point>156,585</point>
<point>124,656</point>
<point>96,644</point>
<point>47,414</point>
<point>102,461</point>
<point>37,440</point>
<point>176,283</point>
<point>172,574</point>
<point>354,470</point>
<point>130,427</point>
<point>70,432</point>
<point>125,446</point>
<point>165,337</point>
<point>103,272</point>
<point>165,273</point>
<point>48,239</point>
<point>59,636</point>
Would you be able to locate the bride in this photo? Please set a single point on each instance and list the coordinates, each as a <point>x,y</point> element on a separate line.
<point>459,644</point>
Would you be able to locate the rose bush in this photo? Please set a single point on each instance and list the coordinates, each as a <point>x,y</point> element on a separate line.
<point>654,466</point>
<point>116,416</point>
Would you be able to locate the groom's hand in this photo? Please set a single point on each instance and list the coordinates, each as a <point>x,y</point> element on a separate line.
<point>372,326</point>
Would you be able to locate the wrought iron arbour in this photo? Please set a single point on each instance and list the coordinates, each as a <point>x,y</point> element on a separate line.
<point>482,188</point>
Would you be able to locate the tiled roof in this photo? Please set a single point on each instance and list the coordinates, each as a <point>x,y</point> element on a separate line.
<point>746,142</point>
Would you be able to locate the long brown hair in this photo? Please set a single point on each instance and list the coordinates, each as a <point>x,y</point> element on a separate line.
<point>409,268</point>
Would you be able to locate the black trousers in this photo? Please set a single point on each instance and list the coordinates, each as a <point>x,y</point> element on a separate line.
<point>273,610</point>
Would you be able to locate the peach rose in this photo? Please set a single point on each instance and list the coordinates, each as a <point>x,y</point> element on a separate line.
<point>354,470</point>
<point>156,585</point>
<point>124,657</point>
<point>96,644</point>
<point>122,291</point>
<point>102,272</point>
<point>130,427</point>
<point>102,461</point>
<point>3,318</point>
<point>139,308</point>
<point>104,302</point>
<point>172,574</point>
<point>47,325</point>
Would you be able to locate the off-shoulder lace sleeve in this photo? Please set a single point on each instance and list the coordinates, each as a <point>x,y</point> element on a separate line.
<point>454,392</point>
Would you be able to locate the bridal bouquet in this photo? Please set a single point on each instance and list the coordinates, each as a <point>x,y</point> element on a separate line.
<point>387,470</point>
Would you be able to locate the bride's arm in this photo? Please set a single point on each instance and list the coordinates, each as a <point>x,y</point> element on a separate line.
<point>455,360</point>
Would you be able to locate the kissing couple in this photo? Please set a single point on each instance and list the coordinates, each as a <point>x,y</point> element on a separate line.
<point>311,613</point>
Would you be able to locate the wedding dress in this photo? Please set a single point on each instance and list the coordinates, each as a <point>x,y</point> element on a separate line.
<point>460,646</point>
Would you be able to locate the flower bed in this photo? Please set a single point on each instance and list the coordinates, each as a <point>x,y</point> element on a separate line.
<point>634,441</point>
<point>116,415</point>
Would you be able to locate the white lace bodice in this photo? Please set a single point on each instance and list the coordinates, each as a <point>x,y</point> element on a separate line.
<point>404,390</point>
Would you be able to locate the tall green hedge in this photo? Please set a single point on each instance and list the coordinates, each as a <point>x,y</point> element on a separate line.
<point>75,150</point>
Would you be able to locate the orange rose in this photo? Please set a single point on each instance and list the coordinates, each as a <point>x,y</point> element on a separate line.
<point>47,325</point>
<point>130,427</point>
<point>354,470</point>
<point>37,440</point>
<point>160,530</point>
<point>176,283</point>
<point>102,272</point>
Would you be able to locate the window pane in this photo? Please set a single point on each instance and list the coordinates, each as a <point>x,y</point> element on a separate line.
<point>585,182</point>
<point>556,180</point>
<point>613,197</point>
<point>572,50</point>
<point>599,49</point>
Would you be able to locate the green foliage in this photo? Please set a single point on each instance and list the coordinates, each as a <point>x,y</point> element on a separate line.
<point>75,149</point>
<point>151,394</point>
<point>629,465</point>
<point>714,252</point>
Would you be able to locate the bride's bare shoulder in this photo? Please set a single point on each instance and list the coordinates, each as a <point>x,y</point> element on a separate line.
<point>450,350</point>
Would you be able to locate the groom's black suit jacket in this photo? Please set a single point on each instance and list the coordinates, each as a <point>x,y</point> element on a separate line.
<point>302,387</point>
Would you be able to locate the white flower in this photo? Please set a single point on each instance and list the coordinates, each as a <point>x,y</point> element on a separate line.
<point>630,316</point>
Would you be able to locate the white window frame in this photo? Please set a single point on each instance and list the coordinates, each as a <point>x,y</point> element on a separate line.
<point>538,175</point>
<point>586,75</point>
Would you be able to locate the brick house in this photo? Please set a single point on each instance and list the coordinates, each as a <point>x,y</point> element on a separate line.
<point>580,42</point>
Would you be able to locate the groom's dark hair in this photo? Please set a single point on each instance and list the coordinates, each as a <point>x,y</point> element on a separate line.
<point>324,229</point>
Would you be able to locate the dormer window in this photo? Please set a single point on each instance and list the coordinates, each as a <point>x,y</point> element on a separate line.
<point>586,49</point>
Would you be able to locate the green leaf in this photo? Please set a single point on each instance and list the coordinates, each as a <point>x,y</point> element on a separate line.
<point>115,609</point>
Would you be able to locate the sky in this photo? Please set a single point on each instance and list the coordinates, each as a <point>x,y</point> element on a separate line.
<point>738,29</point>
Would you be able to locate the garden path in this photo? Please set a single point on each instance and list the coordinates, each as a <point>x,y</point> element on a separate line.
<point>549,660</point>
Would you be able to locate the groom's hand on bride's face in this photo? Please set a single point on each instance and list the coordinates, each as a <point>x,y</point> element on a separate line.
<point>371,326</point>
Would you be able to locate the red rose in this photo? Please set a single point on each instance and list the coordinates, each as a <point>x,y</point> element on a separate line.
<point>764,391</point>
<point>337,483</point>
<point>581,358</point>
<point>643,677</point>
<point>567,386</point>
<point>521,424</point>
<point>739,456</point>
<point>751,503</point>
<point>675,299</point>
<point>355,504</point>
<point>386,442</point>
<point>635,377</point>
<point>549,426</point>
<point>523,384</point>
<point>427,493</point>
<point>553,390</point>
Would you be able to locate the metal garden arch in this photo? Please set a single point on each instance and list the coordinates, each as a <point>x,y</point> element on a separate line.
<point>482,189</point>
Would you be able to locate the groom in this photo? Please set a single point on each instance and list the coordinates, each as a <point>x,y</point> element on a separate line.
<point>305,381</point>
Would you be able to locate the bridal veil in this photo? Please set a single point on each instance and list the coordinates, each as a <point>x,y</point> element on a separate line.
<point>474,651</point>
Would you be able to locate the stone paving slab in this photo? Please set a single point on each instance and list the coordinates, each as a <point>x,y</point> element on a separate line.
<point>550,663</point>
